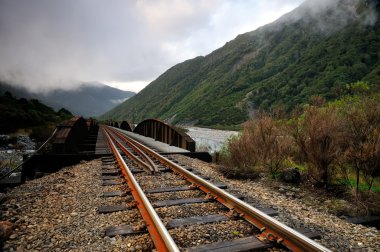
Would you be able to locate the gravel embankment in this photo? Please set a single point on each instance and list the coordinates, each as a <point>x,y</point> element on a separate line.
<point>337,234</point>
<point>59,213</point>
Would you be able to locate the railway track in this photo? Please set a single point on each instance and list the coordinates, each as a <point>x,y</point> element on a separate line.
<point>183,211</point>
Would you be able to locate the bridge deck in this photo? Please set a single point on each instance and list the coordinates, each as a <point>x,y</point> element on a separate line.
<point>101,147</point>
<point>159,146</point>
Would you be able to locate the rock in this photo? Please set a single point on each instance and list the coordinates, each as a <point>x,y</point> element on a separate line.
<point>13,236</point>
<point>19,249</point>
<point>25,143</point>
<point>6,229</point>
<point>291,175</point>
<point>289,194</point>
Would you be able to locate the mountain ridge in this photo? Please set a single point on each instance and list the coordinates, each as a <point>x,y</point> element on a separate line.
<point>89,99</point>
<point>279,65</point>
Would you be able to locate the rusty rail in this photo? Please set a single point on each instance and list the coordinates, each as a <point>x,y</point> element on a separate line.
<point>148,164</point>
<point>160,235</point>
<point>271,229</point>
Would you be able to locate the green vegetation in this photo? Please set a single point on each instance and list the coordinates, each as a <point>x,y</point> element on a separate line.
<point>27,114</point>
<point>334,143</point>
<point>277,67</point>
<point>10,161</point>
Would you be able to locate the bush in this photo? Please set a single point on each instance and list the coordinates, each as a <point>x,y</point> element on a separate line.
<point>262,147</point>
<point>319,136</point>
<point>362,120</point>
<point>237,158</point>
<point>333,143</point>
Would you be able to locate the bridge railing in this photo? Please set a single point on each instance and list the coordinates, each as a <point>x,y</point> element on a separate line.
<point>124,125</point>
<point>166,133</point>
<point>69,135</point>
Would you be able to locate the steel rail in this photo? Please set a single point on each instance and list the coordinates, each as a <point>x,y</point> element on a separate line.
<point>271,229</point>
<point>140,162</point>
<point>137,149</point>
<point>157,230</point>
<point>141,146</point>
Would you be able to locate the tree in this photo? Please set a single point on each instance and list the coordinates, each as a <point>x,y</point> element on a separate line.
<point>363,128</point>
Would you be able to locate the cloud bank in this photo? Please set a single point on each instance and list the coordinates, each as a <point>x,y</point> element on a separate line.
<point>52,44</point>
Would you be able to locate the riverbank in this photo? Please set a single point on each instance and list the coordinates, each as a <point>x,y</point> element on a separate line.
<point>12,150</point>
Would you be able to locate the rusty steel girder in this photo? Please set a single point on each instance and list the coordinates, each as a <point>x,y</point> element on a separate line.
<point>166,133</point>
<point>124,125</point>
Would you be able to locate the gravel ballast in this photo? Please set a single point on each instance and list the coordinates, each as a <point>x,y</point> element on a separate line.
<point>59,213</point>
<point>337,234</point>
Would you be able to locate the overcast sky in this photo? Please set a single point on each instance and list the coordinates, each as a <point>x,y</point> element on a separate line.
<point>49,44</point>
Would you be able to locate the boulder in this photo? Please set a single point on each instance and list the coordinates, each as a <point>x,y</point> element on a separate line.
<point>291,175</point>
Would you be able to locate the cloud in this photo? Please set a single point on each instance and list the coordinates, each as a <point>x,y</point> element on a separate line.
<point>118,101</point>
<point>50,44</point>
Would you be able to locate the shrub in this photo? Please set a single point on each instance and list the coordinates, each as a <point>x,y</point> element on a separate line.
<point>319,136</point>
<point>262,146</point>
<point>237,158</point>
<point>362,120</point>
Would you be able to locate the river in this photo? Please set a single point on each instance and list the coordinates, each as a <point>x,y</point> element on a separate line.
<point>210,140</point>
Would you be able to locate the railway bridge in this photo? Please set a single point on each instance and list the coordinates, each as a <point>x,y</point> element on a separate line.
<point>141,158</point>
<point>80,139</point>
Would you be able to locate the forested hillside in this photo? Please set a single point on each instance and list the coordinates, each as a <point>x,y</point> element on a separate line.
<point>23,114</point>
<point>314,50</point>
<point>89,99</point>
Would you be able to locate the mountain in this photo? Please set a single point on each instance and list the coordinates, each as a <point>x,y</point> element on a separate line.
<point>22,113</point>
<point>90,99</point>
<point>314,50</point>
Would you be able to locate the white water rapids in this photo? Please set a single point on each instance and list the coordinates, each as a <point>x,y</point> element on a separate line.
<point>210,140</point>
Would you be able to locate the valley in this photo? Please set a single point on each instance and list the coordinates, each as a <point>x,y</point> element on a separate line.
<point>252,125</point>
